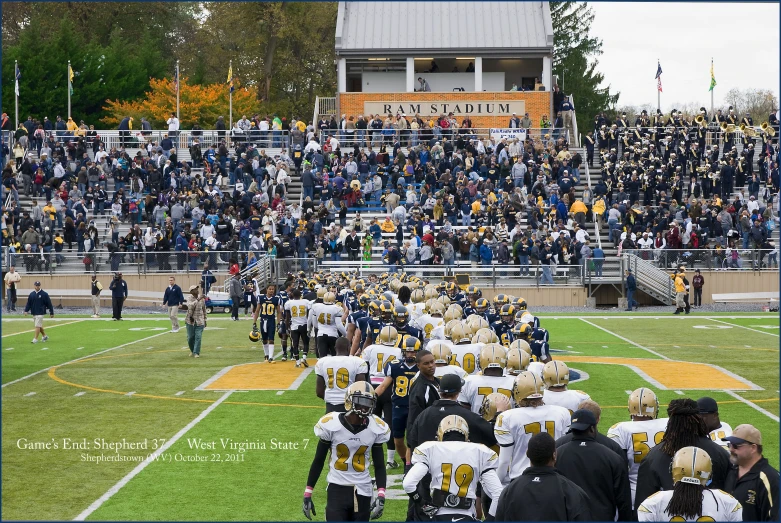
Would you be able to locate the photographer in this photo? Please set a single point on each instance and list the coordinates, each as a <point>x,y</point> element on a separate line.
<point>118,288</point>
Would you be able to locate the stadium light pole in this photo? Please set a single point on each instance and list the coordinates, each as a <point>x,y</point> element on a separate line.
<point>178,80</point>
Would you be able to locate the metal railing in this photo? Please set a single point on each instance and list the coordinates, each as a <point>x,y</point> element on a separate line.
<point>711,259</point>
<point>575,135</point>
<point>650,278</point>
<point>409,137</point>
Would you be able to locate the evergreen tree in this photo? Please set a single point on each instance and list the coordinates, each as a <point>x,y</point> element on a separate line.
<point>574,62</point>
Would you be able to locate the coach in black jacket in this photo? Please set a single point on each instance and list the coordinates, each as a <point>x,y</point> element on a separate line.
<point>596,410</point>
<point>540,493</point>
<point>425,388</point>
<point>596,469</point>
<point>684,429</point>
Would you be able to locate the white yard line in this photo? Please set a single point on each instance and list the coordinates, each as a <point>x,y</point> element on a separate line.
<point>83,357</point>
<point>625,339</point>
<point>753,405</point>
<point>742,327</point>
<point>152,457</point>
<point>45,327</point>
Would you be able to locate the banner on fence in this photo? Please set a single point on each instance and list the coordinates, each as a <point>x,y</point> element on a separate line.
<point>498,134</point>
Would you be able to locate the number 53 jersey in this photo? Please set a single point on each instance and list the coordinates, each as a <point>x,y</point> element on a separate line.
<point>351,449</point>
<point>637,438</point>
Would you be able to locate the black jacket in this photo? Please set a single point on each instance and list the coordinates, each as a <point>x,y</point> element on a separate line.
<point>422,394</point>
<point>352,243</point>
<point>424,427</point>
<point>654,473</point>
<point>600,473</point>
<point>542,494</point>
<point>757,491</point>
<point>602,439</point>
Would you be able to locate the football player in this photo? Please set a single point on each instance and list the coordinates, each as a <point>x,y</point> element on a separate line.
<point>454,293</point>
<point>503,327</point>
<point>377,356</point>
<point>465,353</point>
<point>493,405</point>
<point>492,362</point>
<point>515,427</point>
<point>336,373</point>
<point>350,437</point>
<point>690,500</point>
<point>326,317</point>
<point>370,325</point>
<point>443,355</point>
<point>282,327</point>
<point>250,298</point>
<point>267,312</point>
<point>639,436</point>
<point>483,309</point>
<point>717,429</point>
<point>428,322</point>
<point>517,359</point>
<point>402,324</point>
<point>296,314</point>
<point>537,339</point>
<point>555,375</point>
<point>456,466</point>
<point>353,332</point>
<point>399,375</point>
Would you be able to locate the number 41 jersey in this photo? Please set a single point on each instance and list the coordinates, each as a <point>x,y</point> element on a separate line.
<point>351,451</point>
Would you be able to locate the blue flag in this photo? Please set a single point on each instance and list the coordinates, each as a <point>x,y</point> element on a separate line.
<point>658,70</point>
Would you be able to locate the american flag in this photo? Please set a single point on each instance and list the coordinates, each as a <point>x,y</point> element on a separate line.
<point>18,76</point>
<point>658,76</point>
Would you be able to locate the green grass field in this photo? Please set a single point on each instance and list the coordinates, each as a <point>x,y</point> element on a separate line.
<point>134,383</point>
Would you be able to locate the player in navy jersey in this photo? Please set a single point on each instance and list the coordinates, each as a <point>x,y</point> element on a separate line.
<point>538,341</point>
<point>371,325</point>
<point>353,331</point>
<point>503,328</point>
<point>399,374</point>
<point>267,312</point>
<point>284,296</point>
<point>403,327</point>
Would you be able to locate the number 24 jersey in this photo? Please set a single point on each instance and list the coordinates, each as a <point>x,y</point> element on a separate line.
<point>351,451</point>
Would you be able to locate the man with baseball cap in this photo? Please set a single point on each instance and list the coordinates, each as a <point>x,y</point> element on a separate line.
<point>751,479</point>
<point>596,469</point>
<point>38,303</point>
<point>717,429</point>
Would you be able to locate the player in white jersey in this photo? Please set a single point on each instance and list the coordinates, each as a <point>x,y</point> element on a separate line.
<point>350,437</point>
<point>517,359</point>
<point>296,316</point>
<point>717,429</point>
<point>377,356</point>
<point>515,427</point>
<point>335,374</point>
<point>555,375</point>
<point>327,318</point>
<point>492,362</point>
<point>465,353</point>
<point>690,500</point>
<point>456,467</point>
<point>431,320</point>
<point>443,354</point>
<point>639,436</point>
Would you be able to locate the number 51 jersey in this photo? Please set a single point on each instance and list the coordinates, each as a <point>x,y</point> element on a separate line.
<point>351,451</point>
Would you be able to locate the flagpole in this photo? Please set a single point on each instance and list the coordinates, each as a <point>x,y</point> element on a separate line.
<point>16,94</point>
<point>69,88</point>
<point>658,92</point>
<point>178,81</point>
<point>230,99</point>
<point>711,91</point>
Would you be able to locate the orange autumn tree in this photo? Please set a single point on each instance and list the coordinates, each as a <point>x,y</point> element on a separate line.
<point>200,104</point>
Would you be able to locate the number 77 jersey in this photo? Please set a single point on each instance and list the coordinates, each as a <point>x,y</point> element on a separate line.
<point>637,438</point>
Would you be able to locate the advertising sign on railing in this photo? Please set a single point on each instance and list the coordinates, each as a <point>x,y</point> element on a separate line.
<point>498,134</point>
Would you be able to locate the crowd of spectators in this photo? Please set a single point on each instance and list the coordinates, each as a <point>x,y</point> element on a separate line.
<point>447,194</point>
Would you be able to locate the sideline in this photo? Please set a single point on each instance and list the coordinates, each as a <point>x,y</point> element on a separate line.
<point>82,358</point>
<point>626,340</point>
<point>753,405</point>
<point>152,457</point>
<point>45,328</point>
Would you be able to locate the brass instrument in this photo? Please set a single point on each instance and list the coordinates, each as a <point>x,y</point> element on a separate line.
<point>700,120</point>
<point>768,129</point>
<point>727,127</point>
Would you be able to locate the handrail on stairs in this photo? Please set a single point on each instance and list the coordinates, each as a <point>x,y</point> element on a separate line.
<point>593,214</point>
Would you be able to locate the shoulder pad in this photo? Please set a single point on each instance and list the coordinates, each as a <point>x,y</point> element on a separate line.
<point>379,426</point>
<point>328,418</point>
<point>615,426</point>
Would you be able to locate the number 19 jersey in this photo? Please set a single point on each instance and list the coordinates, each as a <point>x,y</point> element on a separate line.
<point>351,451</point>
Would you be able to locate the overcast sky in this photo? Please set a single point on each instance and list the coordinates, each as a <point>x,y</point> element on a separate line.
<point>742,38</point>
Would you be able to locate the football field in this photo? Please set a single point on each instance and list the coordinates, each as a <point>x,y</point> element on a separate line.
<point>113,421</point>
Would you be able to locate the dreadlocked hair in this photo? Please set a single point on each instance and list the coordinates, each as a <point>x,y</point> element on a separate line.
<point>684,427</point>
<point>686,501</point>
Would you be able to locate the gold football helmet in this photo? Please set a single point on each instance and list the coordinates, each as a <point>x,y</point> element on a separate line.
<point>490,333</point>
<point>458,309</point>
<point>527,385</point>
<point>492,355</point>
<point>691,465</point>
<point>555,373</point>
<point>643,402</point>
<point>388,336</point>
<point>521,345</point>
<point>493,404</point>
<point>329,298</point>
<point>517,360</point>
<point>444,300</point>
<point>460,333</point>
<point>431,293</point>
<point>481,337</point>
<point>360,398</point>
<point>441,351</point>
<point>481,323</point>
<point>418,296</point>
<point>437,308</point>
<point>452,314</point>
<point>321,291</point>
<point>452,423</point>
